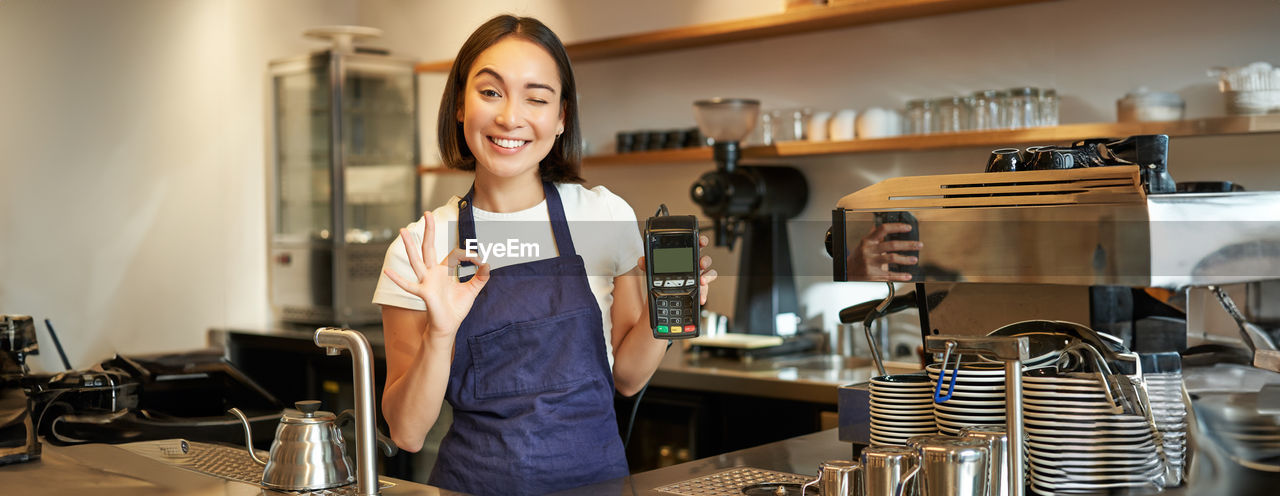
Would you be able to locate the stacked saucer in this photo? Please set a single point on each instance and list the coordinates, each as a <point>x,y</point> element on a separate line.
<point>1170,413</point>
<point>1078,441</point>
<point>901,408</point>
<point>977,397</point>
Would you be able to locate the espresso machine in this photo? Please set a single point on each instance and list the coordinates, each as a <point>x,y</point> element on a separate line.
<point>1097,236</point>
<point>18,442</point>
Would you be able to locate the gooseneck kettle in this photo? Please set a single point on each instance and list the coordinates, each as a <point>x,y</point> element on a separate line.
<point>308,453</point>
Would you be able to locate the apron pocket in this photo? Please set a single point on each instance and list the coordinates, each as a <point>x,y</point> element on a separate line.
<point>534,356</point>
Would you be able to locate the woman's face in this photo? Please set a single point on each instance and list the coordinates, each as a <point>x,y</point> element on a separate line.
<point>511,112</point>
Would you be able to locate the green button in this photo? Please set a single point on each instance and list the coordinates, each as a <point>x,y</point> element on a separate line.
<point>662,329</point>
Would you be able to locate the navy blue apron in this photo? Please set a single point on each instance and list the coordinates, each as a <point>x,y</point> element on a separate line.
<point>530,385</point>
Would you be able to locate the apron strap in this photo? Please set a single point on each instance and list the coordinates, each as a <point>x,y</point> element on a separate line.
<point>555,211</point>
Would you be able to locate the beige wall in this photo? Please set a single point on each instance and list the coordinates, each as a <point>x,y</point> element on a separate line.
<point>132,165</point>
<point>132,147</point>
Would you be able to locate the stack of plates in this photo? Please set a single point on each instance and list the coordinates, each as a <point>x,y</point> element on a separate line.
<point>978,398</point>
<point>901,408</point>
<point>1170,413</point>
<point>1078,442</point>
<point>1242,424</point>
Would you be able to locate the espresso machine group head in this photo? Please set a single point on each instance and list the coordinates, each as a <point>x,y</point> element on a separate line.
<point>752,203</point>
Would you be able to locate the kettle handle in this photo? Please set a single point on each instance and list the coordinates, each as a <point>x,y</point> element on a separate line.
<point>388,446</point>
<point>248,435</point>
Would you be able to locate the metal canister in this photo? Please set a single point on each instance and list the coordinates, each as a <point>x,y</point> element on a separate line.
<point>840,478</point>
<point>953,466</point>
<point>998,444</point>
<point>885,470</point>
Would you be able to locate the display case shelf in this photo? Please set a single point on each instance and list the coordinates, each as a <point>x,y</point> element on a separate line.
<point>838,14</point>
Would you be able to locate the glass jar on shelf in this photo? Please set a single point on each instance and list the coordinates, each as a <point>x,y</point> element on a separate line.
<point>1023,108</point>
<point>1048,107</point>
<point>984,114</point>
<point>950,115</point>
<point>790,124</point>
<point>919,116</point>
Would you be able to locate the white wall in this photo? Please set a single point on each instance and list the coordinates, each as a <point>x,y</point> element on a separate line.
<point>133,165</point>
<point>132,157</point>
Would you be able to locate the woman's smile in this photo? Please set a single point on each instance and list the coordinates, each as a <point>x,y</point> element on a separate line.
<point>508,145</point>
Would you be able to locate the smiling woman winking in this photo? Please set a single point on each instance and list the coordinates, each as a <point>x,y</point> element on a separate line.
<point>528,351</point>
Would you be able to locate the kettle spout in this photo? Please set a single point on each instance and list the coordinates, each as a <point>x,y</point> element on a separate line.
<point>248,435</point>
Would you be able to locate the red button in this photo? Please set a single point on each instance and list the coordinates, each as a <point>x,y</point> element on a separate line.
<point>690,328</point>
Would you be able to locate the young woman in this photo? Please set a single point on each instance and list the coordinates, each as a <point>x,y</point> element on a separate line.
<point>529,349</point>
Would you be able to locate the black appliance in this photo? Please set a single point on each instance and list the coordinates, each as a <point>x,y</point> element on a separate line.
<point>18,442</point>
<point>141,398</point>
<point>753,203</point>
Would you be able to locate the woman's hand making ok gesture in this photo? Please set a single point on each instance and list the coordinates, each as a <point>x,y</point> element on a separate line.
<point>448,301</point>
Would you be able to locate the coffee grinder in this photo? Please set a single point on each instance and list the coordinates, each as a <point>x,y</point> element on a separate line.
<point>752,203</point>
<point>18,441</point>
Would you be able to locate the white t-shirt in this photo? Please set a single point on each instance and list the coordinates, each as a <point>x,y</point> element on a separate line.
<point>602,225</point>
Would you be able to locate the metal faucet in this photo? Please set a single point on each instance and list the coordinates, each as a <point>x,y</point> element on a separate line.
<point>333,340</point>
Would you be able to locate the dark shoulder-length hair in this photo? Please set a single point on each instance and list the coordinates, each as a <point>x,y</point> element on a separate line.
<point>564,161</point>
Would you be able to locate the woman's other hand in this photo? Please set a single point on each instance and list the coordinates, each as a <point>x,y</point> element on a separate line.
<point>448,301</point>
<point>708,274</point>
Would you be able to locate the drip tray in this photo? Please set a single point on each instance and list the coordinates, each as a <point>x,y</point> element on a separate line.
<point>732,482</point>
<point>225,462</point>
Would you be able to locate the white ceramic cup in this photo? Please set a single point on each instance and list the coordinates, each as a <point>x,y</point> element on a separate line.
<point>877,122</point>
<point>818,126</point>
<point>842,126</point>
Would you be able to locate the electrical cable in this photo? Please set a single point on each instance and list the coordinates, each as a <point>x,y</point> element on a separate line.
<point>635,406</point>
<point>57,344</point>
<point>631,422</point>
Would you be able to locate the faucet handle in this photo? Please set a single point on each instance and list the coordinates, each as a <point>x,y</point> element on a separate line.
<point>388,446</point>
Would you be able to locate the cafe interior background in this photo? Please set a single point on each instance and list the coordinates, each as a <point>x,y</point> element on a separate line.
<point>136,149</point>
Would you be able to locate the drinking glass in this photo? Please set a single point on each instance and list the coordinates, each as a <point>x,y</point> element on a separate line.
<point>1023,108</point>
<point>919,116</point>
<point>950,115</point>
<point>985,112</point>
<point>1048,107</point>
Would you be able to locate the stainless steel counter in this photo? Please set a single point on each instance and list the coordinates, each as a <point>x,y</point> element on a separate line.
<point>105,469</point>
<point>101,469</point>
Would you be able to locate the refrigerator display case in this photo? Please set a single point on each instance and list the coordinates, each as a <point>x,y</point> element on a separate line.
<point>343,180</point>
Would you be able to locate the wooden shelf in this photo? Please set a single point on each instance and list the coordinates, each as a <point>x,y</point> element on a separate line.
<point>842,14</point>
<point>1039,135</point>
<point>1214,126</point>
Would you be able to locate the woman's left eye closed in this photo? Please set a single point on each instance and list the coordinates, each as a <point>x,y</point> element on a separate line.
<point>537,101</point>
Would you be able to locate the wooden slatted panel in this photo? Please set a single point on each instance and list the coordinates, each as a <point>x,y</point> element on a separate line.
<point>1119,184</point>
